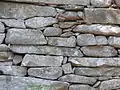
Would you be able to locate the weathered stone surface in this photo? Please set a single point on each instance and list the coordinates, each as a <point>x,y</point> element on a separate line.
<point>81,87</point>
<point>2,37</point>
<point>46,50</point>
<point>40,60</point>
<point>6,63</point>
<point>94,62</point>
<point>67,34</point>
<point>46,72</point>
<point>66,42</point>
<point>107,71</point>
<point>110,84</point>
<point>101,3</point>
<point>99,51</point>
<point>117,2</point>
<point>17,59</point>
<point>98,29</point>
<point>101,40</point>
<point>114,41</point>
<point>2,27</point>
<point>6,56</point>
<point>80,14</point>
<point>13,23</point>
<point>24,83</point>
<point>67,68</point>
<point>13,70</point>
<point>86,39</point>
<point>66,24</point>
<point>38,22</point>
<point>25,36</point>
<point>77,79</point>
<point>52,31</point>
<point>22,11</point>
<point>4,47</point>
<point>102,15</point>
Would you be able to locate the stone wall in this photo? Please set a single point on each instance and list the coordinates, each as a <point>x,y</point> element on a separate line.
<point>60,44</point>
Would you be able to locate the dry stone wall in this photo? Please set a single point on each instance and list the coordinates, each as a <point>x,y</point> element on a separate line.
<point>60,44</point>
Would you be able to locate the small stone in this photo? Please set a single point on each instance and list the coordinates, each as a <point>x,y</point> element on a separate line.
<point>101,40</point>
<point>60,10</point>
<point>2,37</point>
<point>46,72</point>
<point>2,27</point>
<point>38,22</point>
<point>80,14</point>
<point>67,24</point>
<point>67,68</point>
<point>67,34</point>
<point>17,59</point>
<point>52,31</point>
<point>65,59</point>
<point>99,51</point>
<point>81,87</point>
<point>40,60</point>
<point>86,39</point>
<point>4,47</point>
<point>65,42</point>
<point>77,79</point>
<point>97,84</point>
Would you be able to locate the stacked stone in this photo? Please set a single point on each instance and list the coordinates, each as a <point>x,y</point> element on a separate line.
<point>64,44</point>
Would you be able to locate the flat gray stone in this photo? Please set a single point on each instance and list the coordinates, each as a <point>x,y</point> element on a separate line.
<point>13,70</point>
<point>66,24</point>
<point>46,50</point>
<point>67,68</point>
<point>67,34</point>
<point>101,3</point>
<point>4,47</point>
<point>103,71</point>
<point>52,31</point>
<point>25,36</point>
<point>77,79</point>
<point>86,39</point>
<point>38,22</point>
<point>65,42</point>
<point>94,62</point>
<point>102,15</point>
<point>81,87</point>
<point>46,72</point>
<point>98,29</point>
<point>17,59</point>
<point>6,56</point>
<point>2,37</point>
<point>101,40</point>
<point>2,27</point>
<point>40,60</point>
<point>6,63</point>
<point>99,51</point>
<point>23,11</point>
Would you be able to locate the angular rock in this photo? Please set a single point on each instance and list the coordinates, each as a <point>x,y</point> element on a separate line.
<point>13,23</point>
<point>17,59</point>
<point>25,36</point>
<point>103,71</point>
<point>101,3</point>
<point>99,51</point>
<point>46,72</point>
<point>2,27</point>
<point>66,24</point>
<point>102,15</point>
<point>110,84</point>
<point>77,79</point>
<point>81,87</point>
<point>38,22</point>
<point>2,37</point>
<point>40,60</point>
<point>65,42</point>
<point>23,11</point>
<point>13,70</point>
<point>67,68</point>
<point>98,29</point>
<point>52,31</point>
<point>94,62</point>
<point>86,39</point>
<point>101,40</point>
<point>46,50</point>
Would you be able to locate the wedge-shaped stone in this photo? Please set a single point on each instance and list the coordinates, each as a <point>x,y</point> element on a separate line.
<point>22,11</point>
<point>25,36</point>
<point>98,29</point>
<point>13,70</point>
<point>110,84</point>
<point>99,51</point>
<point>28,83</point>
<point>39,60</point>
<point>94,62</point>
<point>46,72</point>
<point>102,15</point>
<point>46,50</point>
<point>66,42</point>
<point>77,79</point>
<point>38,22</point>
<point>107,71</point>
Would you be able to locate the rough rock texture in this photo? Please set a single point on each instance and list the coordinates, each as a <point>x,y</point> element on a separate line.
<point>2,27</point>
<point>67,68</point>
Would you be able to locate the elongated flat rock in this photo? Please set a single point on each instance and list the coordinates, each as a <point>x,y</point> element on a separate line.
<point>25,36</point>
<point>39,60</point>
<point>98,29</point>
<point>94,62</point>
<point>46,50</point>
